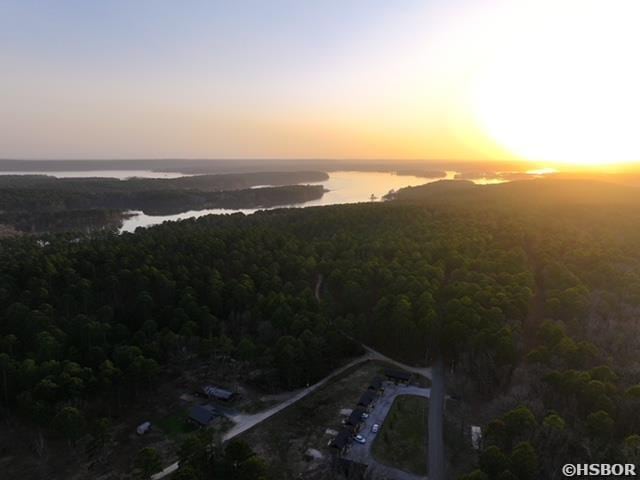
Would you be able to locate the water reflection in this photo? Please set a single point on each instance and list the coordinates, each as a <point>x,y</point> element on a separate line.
<point>344,187</point>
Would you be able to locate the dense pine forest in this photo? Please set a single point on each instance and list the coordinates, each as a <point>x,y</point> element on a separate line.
<point>532,304</point>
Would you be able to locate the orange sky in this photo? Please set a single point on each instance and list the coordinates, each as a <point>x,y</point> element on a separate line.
<point>475,80</point>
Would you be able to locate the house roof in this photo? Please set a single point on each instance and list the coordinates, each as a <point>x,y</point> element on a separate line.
<point>356,417</point>
<point>217,392</point>
<point>342,439</point>
<point>367,398</point>
<point>376,383</point>
<point>398,375</point>
<point>203,414</point>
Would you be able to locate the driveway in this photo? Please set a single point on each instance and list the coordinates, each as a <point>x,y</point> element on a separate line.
<point>362,453</point>
<point>244,422</point>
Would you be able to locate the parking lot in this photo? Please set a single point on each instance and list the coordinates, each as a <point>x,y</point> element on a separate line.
<point>361,453</point>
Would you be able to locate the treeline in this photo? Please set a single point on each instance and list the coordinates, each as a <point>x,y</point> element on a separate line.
<point>99,317</point>
<point>61,221</point>
<point>38,203</point>
<point>535,305</point>
<point>38,194</point>
<point>229,181</point>
<point>576,381</point>
<point>201,457</point>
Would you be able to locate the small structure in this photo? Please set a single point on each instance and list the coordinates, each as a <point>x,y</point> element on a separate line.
<point>355,419</point>
<point>376,385</point>
<point>143,428</point>
<point>398,376</point>
<point>476,437</point>
<point>367,400</point>
<point>203,415</point>
<point>312,454</point>
<point>342,441</point>
<point>217,393</point>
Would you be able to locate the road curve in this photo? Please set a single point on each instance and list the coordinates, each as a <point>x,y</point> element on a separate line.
<point>246,422</point>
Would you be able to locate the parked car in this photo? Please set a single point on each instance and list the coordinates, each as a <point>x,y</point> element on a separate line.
<point>143,428</point>
<point>374,428</point>
<point>364,416</point>
<point>360,439</point>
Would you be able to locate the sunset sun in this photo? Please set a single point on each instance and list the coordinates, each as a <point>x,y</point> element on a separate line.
<point>565,95</point>
<point>330,239</point>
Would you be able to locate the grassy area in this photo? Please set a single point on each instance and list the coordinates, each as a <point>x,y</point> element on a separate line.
<point>175,424</point>
<point>257,406</point>
<point>402,441</point>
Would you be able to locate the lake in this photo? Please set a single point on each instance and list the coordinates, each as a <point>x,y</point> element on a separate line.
<point>343,187</point>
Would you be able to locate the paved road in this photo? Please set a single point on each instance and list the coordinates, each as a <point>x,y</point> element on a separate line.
<point>245,422</point>
<point>435,446</point>
<point>362,453</point>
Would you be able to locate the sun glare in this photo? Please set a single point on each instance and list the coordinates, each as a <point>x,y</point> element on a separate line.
<point>565,90</point>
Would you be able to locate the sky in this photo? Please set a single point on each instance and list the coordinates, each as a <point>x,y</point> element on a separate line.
<point>348,79</point>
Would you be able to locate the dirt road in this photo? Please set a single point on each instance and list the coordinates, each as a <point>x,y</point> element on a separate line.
<point>244,422</point>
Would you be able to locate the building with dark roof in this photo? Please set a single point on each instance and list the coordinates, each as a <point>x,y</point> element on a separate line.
<point>217,393</point>
<point>203,415</point>
<point>376,384</point>
<point>367,399</point>
<point>342,441</point>
<point>355,419</point>
<point>398,376</point>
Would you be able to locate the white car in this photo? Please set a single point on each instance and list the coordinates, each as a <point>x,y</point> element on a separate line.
<point>364,415</point>
<point>374,428</point>
<point>360,439</point>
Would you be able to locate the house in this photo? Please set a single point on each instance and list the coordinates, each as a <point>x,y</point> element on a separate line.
<point>203,415</point>
<point>376,385</point>
<point>217,393</point>
<point>398,376</point>
<point>355,419</point>
<point>367,400</point>
<point>342,441</point>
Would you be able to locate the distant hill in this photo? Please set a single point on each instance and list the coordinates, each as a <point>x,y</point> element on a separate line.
<point>531,193</point>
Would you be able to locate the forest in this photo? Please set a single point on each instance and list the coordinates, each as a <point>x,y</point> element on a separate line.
<point>531,300</point>
<point>40,203</point>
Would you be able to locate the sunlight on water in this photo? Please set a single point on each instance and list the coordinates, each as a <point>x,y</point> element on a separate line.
<point>343,187</point>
